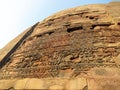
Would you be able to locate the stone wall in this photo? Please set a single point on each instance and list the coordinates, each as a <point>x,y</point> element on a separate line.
<point>80,43</point>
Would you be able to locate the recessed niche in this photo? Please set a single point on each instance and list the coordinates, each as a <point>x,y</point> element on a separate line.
<point>74,29</point>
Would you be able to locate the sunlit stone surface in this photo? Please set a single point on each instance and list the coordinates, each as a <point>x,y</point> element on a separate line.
<point>77,49</point>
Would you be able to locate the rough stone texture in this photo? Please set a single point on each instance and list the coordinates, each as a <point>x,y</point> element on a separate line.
<point>77,48</point>
<point>29,84</point>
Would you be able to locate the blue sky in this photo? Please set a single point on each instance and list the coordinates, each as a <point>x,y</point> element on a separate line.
<point>18,15</point>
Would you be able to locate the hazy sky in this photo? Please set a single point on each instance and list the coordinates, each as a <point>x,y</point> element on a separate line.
<point>17,15</point>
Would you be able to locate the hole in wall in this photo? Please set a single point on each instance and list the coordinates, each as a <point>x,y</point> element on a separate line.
<point>91,17</point>
<point>118,23</point>
<point>39,35</point>
<point>50,32</point>
<point>69,30</point>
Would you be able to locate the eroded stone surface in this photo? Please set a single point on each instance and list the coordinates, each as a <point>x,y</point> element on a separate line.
<point>29,84</point>
<point>77,83</point>
<point>56,87</point>
<point>47,83</point>
<point>80,44</point>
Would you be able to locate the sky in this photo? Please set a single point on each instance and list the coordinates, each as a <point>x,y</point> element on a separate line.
<point>18,15</point>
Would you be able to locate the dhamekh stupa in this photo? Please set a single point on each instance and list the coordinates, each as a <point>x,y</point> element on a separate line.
<point>74,49</point>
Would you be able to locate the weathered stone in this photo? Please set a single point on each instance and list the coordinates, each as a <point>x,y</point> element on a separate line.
<point>7,84</point>
<point>76,84</point>
<point>77,48</point>
<point>56,87</point>
<point>29,83</point>
<point>36,84</point>
<point>21,84</point>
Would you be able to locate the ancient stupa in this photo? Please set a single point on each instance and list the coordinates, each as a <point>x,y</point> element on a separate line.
<point>74,49</point>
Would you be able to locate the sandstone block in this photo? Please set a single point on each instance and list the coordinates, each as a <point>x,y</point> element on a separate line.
<point>30,83</point>
<point>56,87</point>
<point>76,84</point>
